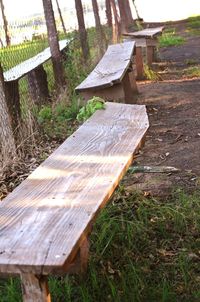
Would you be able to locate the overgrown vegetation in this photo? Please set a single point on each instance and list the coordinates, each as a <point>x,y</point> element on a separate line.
<point>169,38</point>
<point>142,249</point>
<point>150,74</point>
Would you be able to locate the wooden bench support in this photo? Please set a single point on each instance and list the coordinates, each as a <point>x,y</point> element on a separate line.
<point>124,92</point>
<point>150,54</point>
<point>139,63</point>
<point>151,51</point>
<point>38,85</point>
<point>34,288</point>
<point>129,87</point>
<point>13,102</point>
<point>80,263</point>
<point>108,94</point>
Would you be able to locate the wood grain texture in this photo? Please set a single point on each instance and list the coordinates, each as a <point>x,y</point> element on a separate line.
<point>111,68</point>
<point>25,67</point>
<point>140,42</point>
<point>45,220</point>
<point>146,33</point>
<point>139,64</point>
<point>34,288</point>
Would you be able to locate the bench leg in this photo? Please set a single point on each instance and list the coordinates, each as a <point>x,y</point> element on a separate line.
<point>113,93</point>
<point>139,63</point>
<point>38,85</point>
<point>151,50</point>
<point>80,263</point>
<point>13,102</point>
<point>150,55</point>
<point>130,87</point>
<point>34,288</point>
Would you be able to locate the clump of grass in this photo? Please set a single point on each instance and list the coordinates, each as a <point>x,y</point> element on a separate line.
<point>169,38</point>
<point>56,120</point>
<point>142,249</point>
<point>192,72</point>
<point>193,25</point>
<point>193,22</point>
<point>151,74</point>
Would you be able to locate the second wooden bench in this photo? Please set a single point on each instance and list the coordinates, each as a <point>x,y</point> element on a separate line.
<point>113,78</point>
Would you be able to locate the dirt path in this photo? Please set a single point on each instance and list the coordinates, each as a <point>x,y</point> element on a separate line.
<point>174,113</point>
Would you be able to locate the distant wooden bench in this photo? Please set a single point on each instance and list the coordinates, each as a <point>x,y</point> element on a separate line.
<point>36,75</point>
<point>113,78</point>
<point>46,220</point>
<point>145,38</point>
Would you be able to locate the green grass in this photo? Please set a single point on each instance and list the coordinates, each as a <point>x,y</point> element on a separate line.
<point>13,55</point>
<point>192,72</point>
<point>142,250</point>
<point>193,25</point>
<point>169,38</point>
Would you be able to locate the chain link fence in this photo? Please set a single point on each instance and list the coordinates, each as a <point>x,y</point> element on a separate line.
<point>27,36</point>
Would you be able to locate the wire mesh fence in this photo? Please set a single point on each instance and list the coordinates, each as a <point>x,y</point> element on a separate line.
<point>23,38</point>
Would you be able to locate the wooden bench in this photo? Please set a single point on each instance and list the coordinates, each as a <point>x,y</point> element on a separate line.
<point>113,78</point>
<point>46,220</point>
<point>147,38</point>
<point>36,75</point>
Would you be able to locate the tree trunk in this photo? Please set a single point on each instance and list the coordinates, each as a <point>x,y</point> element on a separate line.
<point>5,24</point>
<point>61,17</point>
<point>116,25</point>
<point>82,29</point>
<point>7,142</point>
<point>100,34</point>
<point>123,16</point>
<point>136,10</point>
<point>53,43</point>
<point>128,12</point>
<point>108,13</point>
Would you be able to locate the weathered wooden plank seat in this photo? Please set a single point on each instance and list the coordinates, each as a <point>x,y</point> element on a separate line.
<point>145,38</point>
<point>36,75</point>
<point>46,220</point>
<point>113,78</point>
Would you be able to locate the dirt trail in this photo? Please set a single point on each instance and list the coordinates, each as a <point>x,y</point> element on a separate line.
<point>174,113</point>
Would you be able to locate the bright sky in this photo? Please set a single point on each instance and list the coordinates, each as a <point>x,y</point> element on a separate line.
<point>150,10</point>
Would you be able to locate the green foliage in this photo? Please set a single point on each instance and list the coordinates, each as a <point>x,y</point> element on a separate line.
<point>94,104</point>
<point>55,120</point>
<point>169,38</point>
<point>45,114</point>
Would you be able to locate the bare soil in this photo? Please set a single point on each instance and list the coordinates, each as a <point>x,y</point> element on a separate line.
<point>173,106</point>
